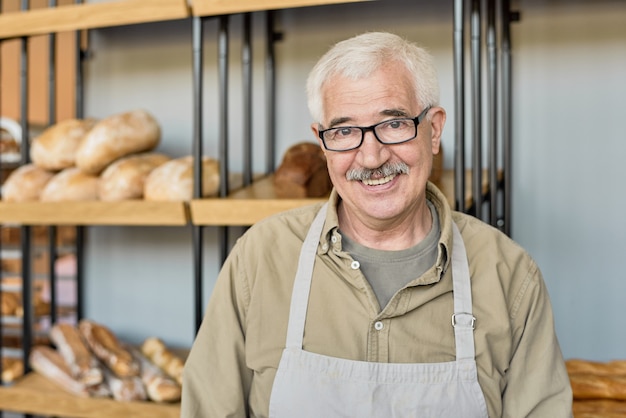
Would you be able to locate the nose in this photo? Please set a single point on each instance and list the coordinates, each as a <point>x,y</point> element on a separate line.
<point>372,153</point>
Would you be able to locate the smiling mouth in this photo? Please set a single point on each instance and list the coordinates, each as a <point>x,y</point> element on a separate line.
<point>378,182</point>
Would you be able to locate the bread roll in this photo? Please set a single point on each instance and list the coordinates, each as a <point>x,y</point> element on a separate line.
<point>12,368</point>
<point>108,349</point>
<point>81,362</point>
<point>173,181</point>
<point>55,149</point>
<point>49,363</point>
<point>302,172</point>
<point>71,184</point>
<point>10,302</point>
<point>157,352</point>
<point>115,137</point>
<point>26,184</point>
<point>611,368</point>
<point>125,178</point>
<point>591,386</point>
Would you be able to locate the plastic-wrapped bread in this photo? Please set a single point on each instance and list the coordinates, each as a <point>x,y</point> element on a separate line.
<point>26,183</point>
<point>56,147</point>
<point>108,349</point>
<point>125,178</point>
<point>124,389</point>
<point>74,350</point>
<point>115,137</point>
<point>157,352</point>
<point>173,181</point>
<point>159,387</point>
<point>49,363</point>
<point>71,184</point>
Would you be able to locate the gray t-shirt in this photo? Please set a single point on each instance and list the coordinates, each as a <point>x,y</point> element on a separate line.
<point>389,271</point>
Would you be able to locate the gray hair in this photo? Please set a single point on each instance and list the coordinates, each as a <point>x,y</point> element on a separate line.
<point>362,55</point>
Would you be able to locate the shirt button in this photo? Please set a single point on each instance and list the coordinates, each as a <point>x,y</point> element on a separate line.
<point>324,247</point>
<point>355,265</point>
<point>333,239</point>
<point>379,325</point>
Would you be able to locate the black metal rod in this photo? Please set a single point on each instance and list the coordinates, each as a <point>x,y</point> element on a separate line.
<point>270,87</point>
<point>197,230</point>
<point>476,75</point>
<point>52,112</point>
<point>223,125</point>
<point>492,127</point>
<point>246,58</point>
<point>506,112</point>
<point>459,105</point>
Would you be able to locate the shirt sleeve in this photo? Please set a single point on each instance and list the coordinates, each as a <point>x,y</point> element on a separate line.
<point>216,381</point>
<point>537,383</point>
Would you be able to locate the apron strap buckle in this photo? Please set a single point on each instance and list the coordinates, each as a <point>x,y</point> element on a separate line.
<point>463,319</point>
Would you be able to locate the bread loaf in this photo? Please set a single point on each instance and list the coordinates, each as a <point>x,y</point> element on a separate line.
<point>71,184</point>
<point>125,178</point>
<point>173,180</point>
<point>12,368</point>
<point>125,389</point>
<point>157,352</point>
<point>115,137</point>
<point>10,302</point>
<point>55,149</point>
<point>26,183</point>
<point>108,349</point>
<point>611,368</point>
<point>302,172</point>
<point>591,386</point>
<point>49,363</point>
<point>159,387</point>
<point>72,347</point>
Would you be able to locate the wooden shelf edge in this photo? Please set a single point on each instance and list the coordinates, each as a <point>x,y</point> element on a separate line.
<point>128,213</point>
<point>35,394</point>
<point>223,7</point>
<point>90,16</point>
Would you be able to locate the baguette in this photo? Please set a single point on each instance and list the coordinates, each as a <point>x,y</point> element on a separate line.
<point>49,363</point>
<point>108,349</point>
<point>159,387</point>
<point>157,352</point>
<point>590,386</point>
<point>124,389</point>
<point>72,347</point>
<point>611,368</point>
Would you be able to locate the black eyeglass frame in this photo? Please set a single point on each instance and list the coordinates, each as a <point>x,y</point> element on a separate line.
<point>372,128</point>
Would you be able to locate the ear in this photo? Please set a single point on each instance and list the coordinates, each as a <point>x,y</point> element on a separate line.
<point>316,133</point>
<point>437,122</point>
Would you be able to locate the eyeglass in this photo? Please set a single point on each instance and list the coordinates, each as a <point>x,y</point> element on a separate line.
<point>392,131</point>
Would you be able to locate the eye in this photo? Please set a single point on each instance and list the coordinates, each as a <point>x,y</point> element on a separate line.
<point>344,132</point>
<point>395,124</point>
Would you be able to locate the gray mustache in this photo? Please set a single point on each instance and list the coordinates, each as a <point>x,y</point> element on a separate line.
<point>360,174</point>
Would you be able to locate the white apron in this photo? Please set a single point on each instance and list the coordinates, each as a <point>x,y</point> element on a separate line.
<point>314,385</point>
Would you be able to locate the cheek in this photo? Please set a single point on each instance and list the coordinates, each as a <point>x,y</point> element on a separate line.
<point>338,165</point>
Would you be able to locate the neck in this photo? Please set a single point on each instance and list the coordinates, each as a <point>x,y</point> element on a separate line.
<point>394,234</point>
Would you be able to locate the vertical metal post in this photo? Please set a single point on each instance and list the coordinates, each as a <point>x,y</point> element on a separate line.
<point>270,87</point>
<point>52,230</point>
<point>506,112</point>
<point>197,230</point>
<point>459,105</point>
<point>246,58</point>
<point>476,48</point>
<point>223,124</point>
<point>492,128</point>
<point>79,110</point>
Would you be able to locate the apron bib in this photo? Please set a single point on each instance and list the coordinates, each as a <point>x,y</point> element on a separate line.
<point>314,385</point>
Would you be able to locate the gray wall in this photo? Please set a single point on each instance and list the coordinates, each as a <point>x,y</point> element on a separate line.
<point>569,97</point>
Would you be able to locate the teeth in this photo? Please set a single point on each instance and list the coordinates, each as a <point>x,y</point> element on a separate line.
<point>376,182</point>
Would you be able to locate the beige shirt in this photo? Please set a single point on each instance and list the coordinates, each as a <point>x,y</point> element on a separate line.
<point>232,364</point>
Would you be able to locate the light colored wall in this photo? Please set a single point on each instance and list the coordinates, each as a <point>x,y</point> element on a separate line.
<point>569,61</point>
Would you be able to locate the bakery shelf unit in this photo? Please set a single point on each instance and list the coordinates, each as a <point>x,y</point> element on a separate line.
<point>241,206</point>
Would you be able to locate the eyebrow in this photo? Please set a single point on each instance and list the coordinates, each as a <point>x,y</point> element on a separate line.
<point>398,113</point>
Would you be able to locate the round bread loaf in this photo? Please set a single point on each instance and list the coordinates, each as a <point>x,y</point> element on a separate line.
<point>173,181</point>
<point>55,149</point>
<point>115,137</point>
<point>302,172</point>
<point>71,184</point>
<point>26,183</point>
<point>125,178</point>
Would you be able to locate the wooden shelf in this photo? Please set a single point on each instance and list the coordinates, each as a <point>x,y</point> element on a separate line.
<point>222,7</point>
<point>35,394</point>
<point>251,204</point>
<point>130,212</point>
<point>90,16</point>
